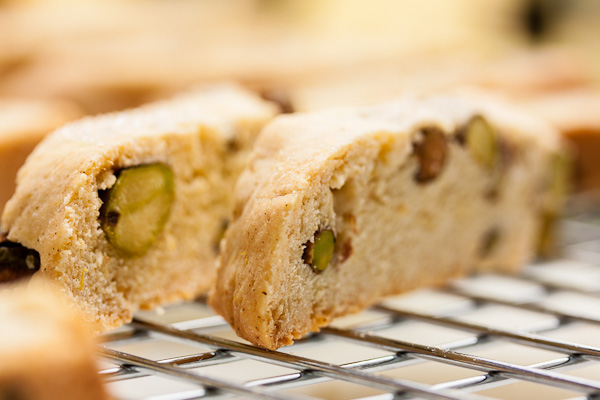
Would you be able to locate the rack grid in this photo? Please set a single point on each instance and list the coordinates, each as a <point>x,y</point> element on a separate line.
<point>536,335</point>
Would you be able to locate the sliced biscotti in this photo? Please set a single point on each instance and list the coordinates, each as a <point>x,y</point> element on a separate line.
<point>46,351</point>
<point>126,210</point>
<point>339,208</point>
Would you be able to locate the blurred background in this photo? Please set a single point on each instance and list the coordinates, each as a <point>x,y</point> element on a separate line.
<point>61,59</point>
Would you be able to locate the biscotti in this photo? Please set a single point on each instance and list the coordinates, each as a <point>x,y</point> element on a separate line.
<point>23,123</point>
<point>518,75</point>
<point>46,352</point>
<point>126,210</point>
<point>576,114</point>
<point>342,207</point>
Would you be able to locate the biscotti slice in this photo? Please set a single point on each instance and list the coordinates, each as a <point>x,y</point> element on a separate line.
<point>576,114</point>
<point>126,210</point>
<point>46,351</point>
<point>342,207</point>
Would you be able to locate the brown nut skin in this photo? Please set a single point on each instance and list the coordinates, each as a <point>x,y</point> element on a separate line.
<point>431,153</point>
<point>346,251</point>
<point>16,261</point>
<point>319,253</point>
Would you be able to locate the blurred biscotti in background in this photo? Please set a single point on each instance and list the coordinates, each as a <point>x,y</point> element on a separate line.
<point>23,124</point>
<point>516,75</point>
<point>46,351</point>
<point>576,113</point>
<point>110,55</point>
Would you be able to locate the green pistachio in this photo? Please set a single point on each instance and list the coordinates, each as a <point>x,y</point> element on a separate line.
<point>137,207</point>
<point>318,254</point>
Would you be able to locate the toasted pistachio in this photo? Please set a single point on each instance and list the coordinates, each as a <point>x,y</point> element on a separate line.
<point>137,207</point>
<point>490,151</point>
<point>318,253</point>
<point>16,261</point>
<point>431,153</point>
<point>482,141</point>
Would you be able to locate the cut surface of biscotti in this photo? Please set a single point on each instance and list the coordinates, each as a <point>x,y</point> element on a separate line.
<point>46,351</point>
<point>339,208</point>
<point>126,209</point>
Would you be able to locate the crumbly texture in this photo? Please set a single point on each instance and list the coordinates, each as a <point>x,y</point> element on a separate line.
<point>204,136</point>
<point>353,171</point>
<point>46,352</point>
<point>23,124</point>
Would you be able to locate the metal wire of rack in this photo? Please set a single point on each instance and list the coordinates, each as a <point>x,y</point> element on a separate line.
<point>536,335</point>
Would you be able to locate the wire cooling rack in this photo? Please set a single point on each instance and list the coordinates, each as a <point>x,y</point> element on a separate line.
<point>536,335</point>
